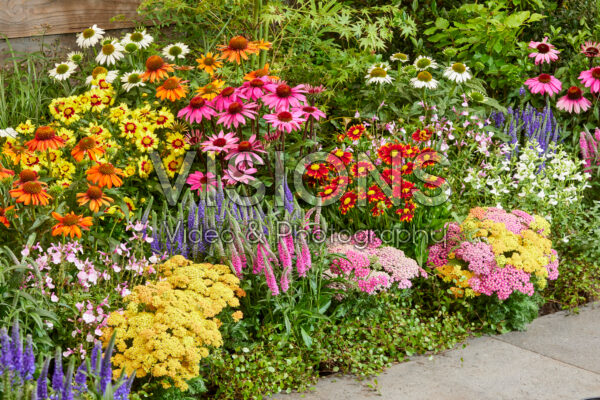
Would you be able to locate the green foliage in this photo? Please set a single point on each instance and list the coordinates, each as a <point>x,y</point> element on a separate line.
<point>514,313</point>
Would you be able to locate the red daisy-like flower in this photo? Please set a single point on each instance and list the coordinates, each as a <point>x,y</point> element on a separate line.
<point>317,171</point>
<point>355,132</point>
<point>391,152</point>
<point>422,135</point>
<point>362,168</point>
<point>347,202</point>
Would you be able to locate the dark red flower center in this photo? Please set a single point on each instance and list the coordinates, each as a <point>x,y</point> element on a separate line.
<point>574,93</point>
<point>94,193</point>
<point>544,78</point>
<point>543,48</point>
<point>283,90</point>
<point>238,43</point>
<point>596,73</point>
<point>154,63</point>
<point>44,133</point>
<point>245,146</point>
<point>87,143</point>
<point>197,102</point>
<point>284,116</point>
<point>592,51</point>
<point>309,109</point>
<point>106,169</point>
<point>32,187</point>
<point>171,83</point>
<point>219,142</point>
<point>28,175</point>
<point>228,91</point>
<point>235,108</point>
<point>70,219</point>
<point>256,82</point>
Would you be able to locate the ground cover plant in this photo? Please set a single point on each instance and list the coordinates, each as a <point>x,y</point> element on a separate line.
<point>247,195</point>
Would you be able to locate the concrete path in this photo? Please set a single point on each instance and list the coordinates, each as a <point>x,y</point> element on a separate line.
<point>558,357</point>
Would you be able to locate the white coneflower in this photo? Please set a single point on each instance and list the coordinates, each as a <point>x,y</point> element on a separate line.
<point>177,50</point>
<point>8,132</point>
<point>477,96</point>
<point>62,71</point>
<point>109,76</point>
<point>141,38</point>
<point>399,57</point>
<point>90,37</point>
<point>130,47</point>
<point>422,63</point>
<point>132,79</point>
<point>457,72</point>
<point>424,80</point>
<point>378,73</point>
<point>111,52</point>
<point>75,56</point>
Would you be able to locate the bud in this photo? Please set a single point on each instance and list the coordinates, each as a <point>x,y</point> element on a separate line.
<point>477,97</point>
<point>479,66</point>
<point>131,47</point>
<point>55,190</point>
<point>450,52</point>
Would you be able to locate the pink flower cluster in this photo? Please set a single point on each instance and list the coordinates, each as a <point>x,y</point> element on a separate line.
<point>590,148</point>
<point>369,265</point>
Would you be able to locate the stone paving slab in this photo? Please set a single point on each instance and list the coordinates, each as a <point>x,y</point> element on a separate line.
<point>557,358</point>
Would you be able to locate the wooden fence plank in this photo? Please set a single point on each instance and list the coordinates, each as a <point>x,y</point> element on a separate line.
<point>22,18</point>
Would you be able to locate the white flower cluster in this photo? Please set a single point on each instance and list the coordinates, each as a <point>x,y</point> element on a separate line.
<point>533,181</point>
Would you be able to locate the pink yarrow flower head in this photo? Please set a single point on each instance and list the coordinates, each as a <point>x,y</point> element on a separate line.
<point>201,181</point>
<point>283,96</point>
<point>227,96</point>
<point>237,113</point>
<point>590,49</point>
<point>285,120</point>
<point>238,173</point>
<point>591,79</point>
<point>254,89</point>
<point>197,110</point>
<point>543,84</point>
<point>545,52</point>
<point>220,142</point>
<point>573,101</point>
<point>245,151</point>
<point>310,112</point>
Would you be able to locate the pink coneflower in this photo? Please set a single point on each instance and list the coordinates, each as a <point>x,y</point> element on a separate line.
<point>285,120</point>
<point>193,137</point>
<point>254,89</point>
<point>225,98</point>
<point>573,101</point>
<point>220,142</point>
<point>544,84</point>
<point>238,174</point>
<point>283,96</point>
<point>200,181</point>
<point>590,49</point>
<point>245,151</point>
<point>235,113</point>
<point>197,110</point>
<point>310,111</point>
<point>591,79</point>
<point>546,52</point>
<point>272,136</point>
<point>310,89</point>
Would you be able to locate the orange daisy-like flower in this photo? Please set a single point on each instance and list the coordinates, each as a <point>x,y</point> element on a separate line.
<point>238,48</point>
<point>171,89</point>
<point>95,196</point>
<point>3,220</point>
<point>45,139</point>
<point>259,73</point>
<point>262,44</point>
<point>87,146</point>
<point>362,169</point>
<point>156,69</point>
<point>355,132</point>
<point>32,192</point>
<point>71,224</point>
<point>347,202</point>
<point>422,135</point>
<point>14,151</point>
<point>209,62</point>
<point>5,173</point>
<point>105,175</point>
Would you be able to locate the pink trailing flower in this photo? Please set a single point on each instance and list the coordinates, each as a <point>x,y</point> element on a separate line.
<point>270,276</point>
<point>197,110</point>
<point>545,52</point>
<point>259,262</point>
<point>282,96</point>
<point>285,120</point>
<point>573,101</point>
<point>285,255</point>
<point>591,79</point>
<point>227,96</point>
<point>220,142</point>
<point>590,148</point>
<point>544,84</point>
<point>236,114</point>
<point>305,257</point>
<point>236,262</point>
<point>200,181</point>
<point>310,112</point>
<point>254,89</point>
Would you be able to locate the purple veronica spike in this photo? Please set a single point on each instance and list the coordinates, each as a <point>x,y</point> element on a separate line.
<point>42,382</point>
<point>106,369</point>
<point>28,361</point>
<point>6,357</point>
<point>96,351</point>
<point>81,379</point>
<point>58,375</point>
<point>17,347</point>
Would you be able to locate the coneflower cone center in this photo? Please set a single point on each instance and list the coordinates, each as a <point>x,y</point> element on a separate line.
<point>44,133</point>
<point>283,90</point>
<point>220,142</point>
<point>175,51</point>
<point>424,76</point>
<point>32,187</point>
<point>133,78</point>
<point>98,71</point>
<point>108,49</point>
<point>228,91</point>
<point>308,109</point>
<point>544,78</point>
<point>62,68</point>
<point>70,220</point>
<point>257,83</point>
<point>423,63</point>
<point>543,48</point>
<point>27,175</point>
<point>378,72</point>
<point>238,43</point>
<point>459,68</point>
<point>171,84</point>
<point>574,93</point>
<point>94,193</point>
<point>208,61</point>
<point>596,73</point>
<point>245,146</point>
<point>197,102</point>
<point>87,143</point>
<point>235,108</point>
<point>154,63</point>
<point>137,37</point>
<point>88,33</point>
<point>106,169</point>
<point>284,116</point>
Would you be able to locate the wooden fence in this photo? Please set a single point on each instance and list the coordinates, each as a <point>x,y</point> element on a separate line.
<point>23,18</point>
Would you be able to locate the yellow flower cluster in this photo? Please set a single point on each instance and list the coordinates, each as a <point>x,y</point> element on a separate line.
<point>169,325</point>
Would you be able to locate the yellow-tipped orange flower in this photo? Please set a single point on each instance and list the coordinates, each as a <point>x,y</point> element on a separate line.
<point>156,69</point>
<point>5,173</point>
<point>238,48</point>
<point>262,44</point>
<point>171,89</point>
<point>209,62</point>
<point>105,174</point>
<point>87,146</point>
<point>32,192</point>
<point>259,73</point>
<point>3,220</point>
<point>95,196</point>
<point>45,139</point>
<point>71,224</point>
